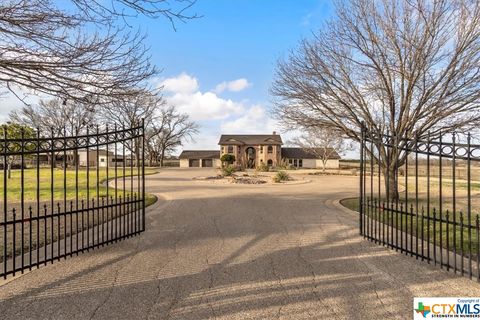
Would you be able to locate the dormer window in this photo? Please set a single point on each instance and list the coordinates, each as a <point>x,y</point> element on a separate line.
<point>270,149</point>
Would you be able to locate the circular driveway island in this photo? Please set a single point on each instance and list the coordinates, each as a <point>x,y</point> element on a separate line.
<point>233,251</point>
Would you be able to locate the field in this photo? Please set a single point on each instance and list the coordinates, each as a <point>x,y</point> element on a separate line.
<point>428,196</point>
<point>64,188</point>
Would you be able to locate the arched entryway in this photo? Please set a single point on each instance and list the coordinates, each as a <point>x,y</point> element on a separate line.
<point>270,163</point>
<point>250,152</point>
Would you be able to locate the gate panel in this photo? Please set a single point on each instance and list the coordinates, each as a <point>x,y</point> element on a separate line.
<point>416,197</point>
<point>66,194</point>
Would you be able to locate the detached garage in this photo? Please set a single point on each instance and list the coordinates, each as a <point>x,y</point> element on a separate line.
<point>200,159</point>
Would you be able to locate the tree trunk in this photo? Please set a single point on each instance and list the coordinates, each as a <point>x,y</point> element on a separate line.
<point>391,183</point>
<point>162,157</point>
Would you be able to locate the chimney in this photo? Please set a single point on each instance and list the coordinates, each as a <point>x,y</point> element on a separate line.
<point>274,132</point>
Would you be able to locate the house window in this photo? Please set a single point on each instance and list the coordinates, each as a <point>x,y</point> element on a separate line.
<point>102,160</point>
<point>270,162</point>
<point>290,161</point>
<point>300,163</point>
<point>261,149</point>
<point>230,149</point>
<point>294,162</point>
<point>270,149</point>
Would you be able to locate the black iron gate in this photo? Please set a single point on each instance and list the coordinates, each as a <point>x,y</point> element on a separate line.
<point>419,196</point>
<point>65,194</point>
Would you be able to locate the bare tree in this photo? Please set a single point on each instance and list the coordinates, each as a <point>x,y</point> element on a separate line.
<point>403,67</point>
<point>56,114</point>
<point>52,49</point>
<point>168,133</point>
<point>321,142</point>
<point>144,108</point>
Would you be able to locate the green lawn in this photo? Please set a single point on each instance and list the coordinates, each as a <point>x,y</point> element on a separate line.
<point>96,217</point>
<point>409,225</point>
<point>30,184</point>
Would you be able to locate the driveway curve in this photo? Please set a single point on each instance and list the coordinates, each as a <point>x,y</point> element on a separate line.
<point>214,251</point>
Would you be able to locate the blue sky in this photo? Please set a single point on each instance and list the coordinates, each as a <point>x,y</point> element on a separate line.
<point>239,39</point>
<point>219,68</point>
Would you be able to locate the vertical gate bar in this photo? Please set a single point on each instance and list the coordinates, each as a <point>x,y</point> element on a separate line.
<point>379,191</point>
<point>76,191</point>
<point>374,233</point>
<point>478,247</point>
<point>112,229</point>
<point>108,184</point>
<point>137,209</point>
<point>448,242</point>
<point>469,204</point>
<point>5,201</point>
<point>103,221</point>
<point>88,188</point>
<point>65,193</point>
<point>116,182</point>
<point>395,180</point>
<point>45,233</point>
<point>132,213</point>
<point>124,181</point>
<point>391,226</point>
<point>30,238</point>
<point>411,229</point>
<point>97,187</point>
<point>120,213</point>
<point>441,241</point>
<point>440,195</point>
<point>406,193</point>
<point>22,195</point>
<point>423,233</point>
<point>58,231</point>
<point>37,195</point>
<point>143,175</point>
<point>71,227</point>
<point>428,197</point>
<point>401,227</point>
<point>416,196</point>
<point>434,237</point>
<point>82,208</point>
<point>461,243</point>
<point>92,244</point>
<point>52,189</point>
<point>454,208</point>
<point>14,247</point>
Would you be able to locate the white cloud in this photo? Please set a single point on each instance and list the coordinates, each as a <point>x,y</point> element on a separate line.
<point>254,120</point>
<point>183,83</point>
<point>234,85</point>
<point>205,105</point>
<point>186,96</point>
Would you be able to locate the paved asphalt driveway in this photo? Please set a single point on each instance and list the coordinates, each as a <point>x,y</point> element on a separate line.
<point>235,252</point>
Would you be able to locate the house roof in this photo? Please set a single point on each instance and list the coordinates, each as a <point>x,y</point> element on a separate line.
<point>313,153</point>
<point>255,139</point>
<point>199,154</point>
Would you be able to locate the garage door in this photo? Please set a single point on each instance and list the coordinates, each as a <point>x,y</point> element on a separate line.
<point>194,163</point>
<point>207,163</point>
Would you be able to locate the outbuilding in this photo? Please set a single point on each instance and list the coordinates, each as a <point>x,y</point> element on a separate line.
<point>200,159</point>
